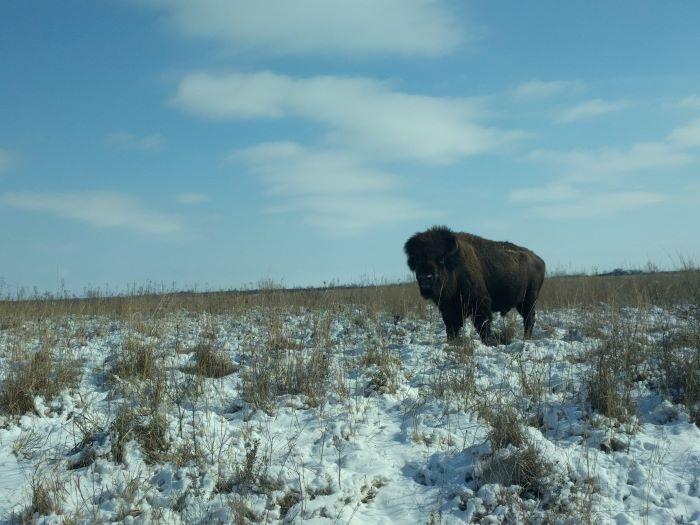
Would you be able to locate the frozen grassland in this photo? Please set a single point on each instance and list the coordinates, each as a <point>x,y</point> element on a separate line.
<point>349,415</point>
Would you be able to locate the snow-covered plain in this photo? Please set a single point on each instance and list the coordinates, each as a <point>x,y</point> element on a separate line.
<point>390,425</point>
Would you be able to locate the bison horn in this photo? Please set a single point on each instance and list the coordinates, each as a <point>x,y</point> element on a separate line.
<point>452,251</point>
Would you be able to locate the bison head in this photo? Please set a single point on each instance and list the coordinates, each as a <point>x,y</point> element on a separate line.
<point>431,256</point>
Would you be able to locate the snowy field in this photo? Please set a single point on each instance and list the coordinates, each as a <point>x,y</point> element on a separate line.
<point>351,416</point>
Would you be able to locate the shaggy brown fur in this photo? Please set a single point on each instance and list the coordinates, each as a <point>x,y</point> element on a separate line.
<point>466,275</point>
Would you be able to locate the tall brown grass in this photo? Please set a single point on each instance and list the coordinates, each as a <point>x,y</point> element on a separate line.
<point>402,299</point>
<point>658,288</point>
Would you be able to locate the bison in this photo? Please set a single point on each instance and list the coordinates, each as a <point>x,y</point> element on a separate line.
<point>466,275</point>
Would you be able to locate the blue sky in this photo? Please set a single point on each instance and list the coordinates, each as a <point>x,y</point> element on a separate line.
<point>217,143</point>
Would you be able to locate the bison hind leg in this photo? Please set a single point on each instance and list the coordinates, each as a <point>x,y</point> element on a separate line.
<point>527,310</point>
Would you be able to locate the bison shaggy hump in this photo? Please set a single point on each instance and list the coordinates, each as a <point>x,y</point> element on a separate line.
<point>468,276</point>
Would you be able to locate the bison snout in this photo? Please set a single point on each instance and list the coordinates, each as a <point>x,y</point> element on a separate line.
<point>425,281</point>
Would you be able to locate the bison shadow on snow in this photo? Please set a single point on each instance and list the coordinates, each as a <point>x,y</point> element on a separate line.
<point>468,276</point>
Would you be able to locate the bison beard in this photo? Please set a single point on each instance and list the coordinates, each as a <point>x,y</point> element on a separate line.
<point>466,275</point>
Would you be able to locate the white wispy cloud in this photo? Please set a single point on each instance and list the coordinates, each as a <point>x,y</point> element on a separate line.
<point>8,159</point>
<point>538,89</point>
<point>331,190</point>
<point>287,168</point>
<point>589,165</point>
<point>686,136</point>
<point>347,215</point>
<point>188,197</point>
<point>576,192</point>
<point>361,113</point>
<point>324,27</point>
<point>691,101</point>
<point>548,193</point>
<point>129,142</point>
<point>591,109</point>
<point>600,204</point>
<point>582,165</point>
<point>101,209</point>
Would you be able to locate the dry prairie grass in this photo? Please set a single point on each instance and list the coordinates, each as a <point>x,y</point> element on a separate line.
<point>679,362</point>
<point>290,359</point>
<point>522,466</point>
<point>505,428</point>
<point>135,360</point>
<point>281,365</point>
<point>30,374</point>
<point>210,362</point>
<point>660,289</point>
<point>149,430</point>
<point>616,367</point>
<point>401,299</point>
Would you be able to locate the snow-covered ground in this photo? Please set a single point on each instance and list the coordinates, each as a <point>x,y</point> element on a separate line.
<point>362,418</point>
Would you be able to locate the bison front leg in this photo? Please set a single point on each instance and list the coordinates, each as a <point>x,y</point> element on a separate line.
<point>482,323</point>
<point>453,323</point>
<point>481,317</point>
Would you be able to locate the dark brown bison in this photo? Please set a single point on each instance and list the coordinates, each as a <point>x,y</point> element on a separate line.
<point>466,275</point>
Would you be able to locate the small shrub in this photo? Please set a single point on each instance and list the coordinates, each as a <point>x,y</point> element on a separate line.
<point>506,428</point>
<point>278,339</point>
<point>28,443</point>
<point>607,392</point>
<point>137,360</point>
<point>680,368</point>
<point>46,495</point>
<point>152,436</point>
<point>454,383</point>
<point>249,476</point>
<point>211,363</point>
<point>258,385</point>
<point>509,328</point>
<point>384,367</point>
<point>532,380</point>
<point>522,466</point>
<point>42,501</point>
<point>85,459</point>
<point>121,431</point>
<point>383,381</point>
<point>241,513</point>
<point>246,474</point>
<point>455,379</point>
<point>38,374</point>
<point>616,367</point>
<point>288,501</point>
<point>272,373</point>
<point>378,354</point>
<point>149,431</point>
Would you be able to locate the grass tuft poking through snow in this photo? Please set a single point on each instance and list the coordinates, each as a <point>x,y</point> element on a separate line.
<point>349,411</point>
<point>680,364</point>
<point>618,363</point>
<point>30,374</point>
<point>210,362</point>
<point>135,360</point>
<point>505,428</point>
<point>522,466</point>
